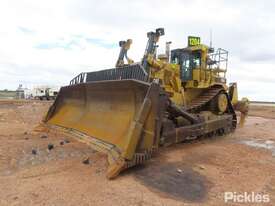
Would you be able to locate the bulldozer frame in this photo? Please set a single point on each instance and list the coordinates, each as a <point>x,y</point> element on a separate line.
<point>130,111</point>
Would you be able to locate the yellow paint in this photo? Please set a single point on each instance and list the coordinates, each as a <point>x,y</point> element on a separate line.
<point>169,74</point>
<point>107,113</point>
<point>119,115</point>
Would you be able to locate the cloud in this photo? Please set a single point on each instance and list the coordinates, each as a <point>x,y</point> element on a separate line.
<point>101,43</point>
<point>25,30</point>
<point>52,41</point>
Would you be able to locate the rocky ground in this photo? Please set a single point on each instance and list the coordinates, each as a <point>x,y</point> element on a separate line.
<point>194,173</point>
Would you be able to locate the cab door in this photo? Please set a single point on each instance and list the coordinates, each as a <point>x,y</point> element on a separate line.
<point>186,67</point>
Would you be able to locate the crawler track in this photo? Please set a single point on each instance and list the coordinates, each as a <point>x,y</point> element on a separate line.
<point>203,99</point>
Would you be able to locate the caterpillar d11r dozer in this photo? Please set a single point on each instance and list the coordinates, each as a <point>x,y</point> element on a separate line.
<point>132,110</point>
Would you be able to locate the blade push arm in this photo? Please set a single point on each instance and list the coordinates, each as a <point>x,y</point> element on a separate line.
<point>151,46</point>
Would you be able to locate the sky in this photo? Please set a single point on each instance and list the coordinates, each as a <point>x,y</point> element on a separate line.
<point>50,42</point>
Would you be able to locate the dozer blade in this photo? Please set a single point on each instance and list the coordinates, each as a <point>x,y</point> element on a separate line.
<point>120,118</point>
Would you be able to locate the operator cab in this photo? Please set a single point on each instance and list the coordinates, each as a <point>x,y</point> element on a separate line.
<point>199,64</point>
<point>188,60</point>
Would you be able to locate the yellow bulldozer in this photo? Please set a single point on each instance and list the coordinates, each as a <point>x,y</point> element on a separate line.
<point>132,110</point>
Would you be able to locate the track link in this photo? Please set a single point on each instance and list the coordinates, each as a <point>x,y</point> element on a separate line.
<point>203,99</point>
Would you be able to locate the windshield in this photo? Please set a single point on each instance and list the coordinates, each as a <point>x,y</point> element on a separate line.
<point>191,60</point>
<point>187,61</point>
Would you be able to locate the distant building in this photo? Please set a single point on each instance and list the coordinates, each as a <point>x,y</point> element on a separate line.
<point>20,93</point>
<point>38,92</point>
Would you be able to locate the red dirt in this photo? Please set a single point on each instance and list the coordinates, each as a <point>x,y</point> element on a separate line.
<point>195,173</point>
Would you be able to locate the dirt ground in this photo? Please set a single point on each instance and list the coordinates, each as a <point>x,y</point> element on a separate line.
<point>194,173</point>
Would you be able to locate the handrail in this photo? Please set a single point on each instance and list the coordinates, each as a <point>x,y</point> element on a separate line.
<point>81,78</point>
<point>134,71</point>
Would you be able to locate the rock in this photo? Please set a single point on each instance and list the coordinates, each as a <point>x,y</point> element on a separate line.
<point>201,167</point>
<point>25,133</point>
<point>67,141</point>
<point>34,152</point>
<point>44,136</point>
<point>26,138</point>
<point>50,146</point>
<point>61,143</point>
<point>179,170</point>
<point>86,161</point>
